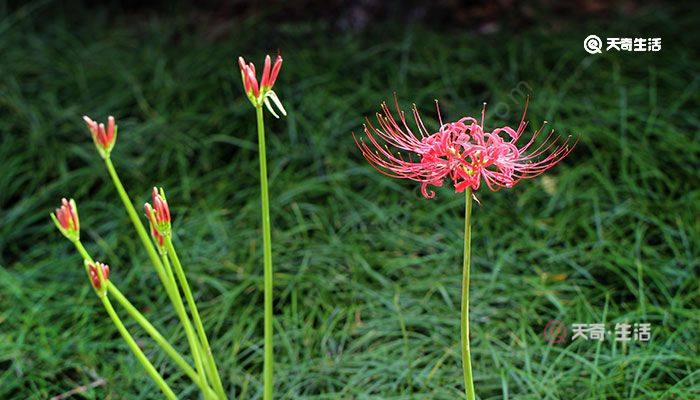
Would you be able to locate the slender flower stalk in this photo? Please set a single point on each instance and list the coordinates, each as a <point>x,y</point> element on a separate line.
<point>136,221</point>
<point>259,95</point>
<point>147,326</point>
<point>104,139</point>
<point>66,220</point>
<point>195,347</point>
<point>150,369</point>
<point>464,314</point>
<point>99,274</point>
<point>267,260</point>
<point>467,154</point>
<point>210,365</point>
<point>158,216</point>
<point>160,340</point>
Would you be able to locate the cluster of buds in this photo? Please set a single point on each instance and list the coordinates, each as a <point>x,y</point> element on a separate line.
<point>66,220</point>
<point>104,137</point>
<point>262,93</point>
<point>98,273</point>
<point>158,216</point>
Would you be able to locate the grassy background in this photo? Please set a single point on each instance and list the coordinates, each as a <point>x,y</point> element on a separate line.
<point>367,272</point>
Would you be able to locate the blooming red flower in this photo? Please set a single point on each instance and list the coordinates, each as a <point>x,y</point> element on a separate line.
<point>104,138</point>
<point>93,272</point>
<point>461,151</point>
<point>262,93</point>
<point>66,219</point>
<point>158,216</point>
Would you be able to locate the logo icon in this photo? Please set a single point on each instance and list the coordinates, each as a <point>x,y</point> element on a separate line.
<point>555,332</point>
<point>593,44</point>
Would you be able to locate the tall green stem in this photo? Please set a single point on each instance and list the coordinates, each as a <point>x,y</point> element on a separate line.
<point>164,274</point>
<point>150,369</point>
<point>138,225</point>
<point>267,257</point>
<point>159,339</point>
<point>206,349</point>
<point>466,354</point>
<point>195,347</point>
<point>150,329</point>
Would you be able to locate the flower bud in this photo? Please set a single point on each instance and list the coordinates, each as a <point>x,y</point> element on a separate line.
<point>104,137</point>
<point>94,274</point>
<point>158,216</point>
<point>262,93</point>
<point>66,219</point>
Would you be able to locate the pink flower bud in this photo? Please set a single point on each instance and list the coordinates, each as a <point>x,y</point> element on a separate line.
<point>104,137</point>
<point>94,275</point>
<point>155,233</point>
<point>66,219</point>
<point>158,216</point>
<point>161,206</point>
<point>267,80</point>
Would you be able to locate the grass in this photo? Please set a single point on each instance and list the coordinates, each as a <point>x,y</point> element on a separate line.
<point>367,272</point>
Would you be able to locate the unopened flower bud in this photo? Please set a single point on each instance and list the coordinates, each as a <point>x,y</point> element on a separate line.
<point>104,137</point>
<point>158,216</point>
<point>94,274</point>
<point>66,219</point>
<point>262,93</point>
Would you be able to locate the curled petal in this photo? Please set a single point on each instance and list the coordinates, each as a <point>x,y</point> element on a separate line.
<point>269,107</point>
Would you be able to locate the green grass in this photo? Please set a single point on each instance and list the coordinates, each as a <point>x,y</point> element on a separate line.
<point>367,271</point>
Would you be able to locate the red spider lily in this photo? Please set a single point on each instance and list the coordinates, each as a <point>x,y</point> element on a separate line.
<point>94,275</point>
<point>158,216</point>
<point>262,93</point>
<point>66,219</point>
<point>104,138</point>
<point>461,151</point>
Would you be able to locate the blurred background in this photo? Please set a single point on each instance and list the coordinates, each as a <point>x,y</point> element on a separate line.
<point>367,271</point>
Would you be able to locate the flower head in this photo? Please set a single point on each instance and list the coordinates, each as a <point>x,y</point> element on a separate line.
<point>462,151</point>
<point>94,271</point>
<point>262,93</point>
<point>158,216</point>
<point>66,219</point>
<point>104,138</point>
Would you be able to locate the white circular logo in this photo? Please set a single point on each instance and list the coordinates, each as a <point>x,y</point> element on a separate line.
<point>592,44</point>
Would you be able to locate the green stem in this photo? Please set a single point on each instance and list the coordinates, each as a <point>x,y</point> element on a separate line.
<point>82,251</point>
<point>150,329</point>
<point>158,338</point>
<point>267,258</point>
<point>140,229</point>
<point>466,354</point>
<point>165,276</point>
<point>150,369</point>
<point>189,332</point>
<point>209,357</point>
